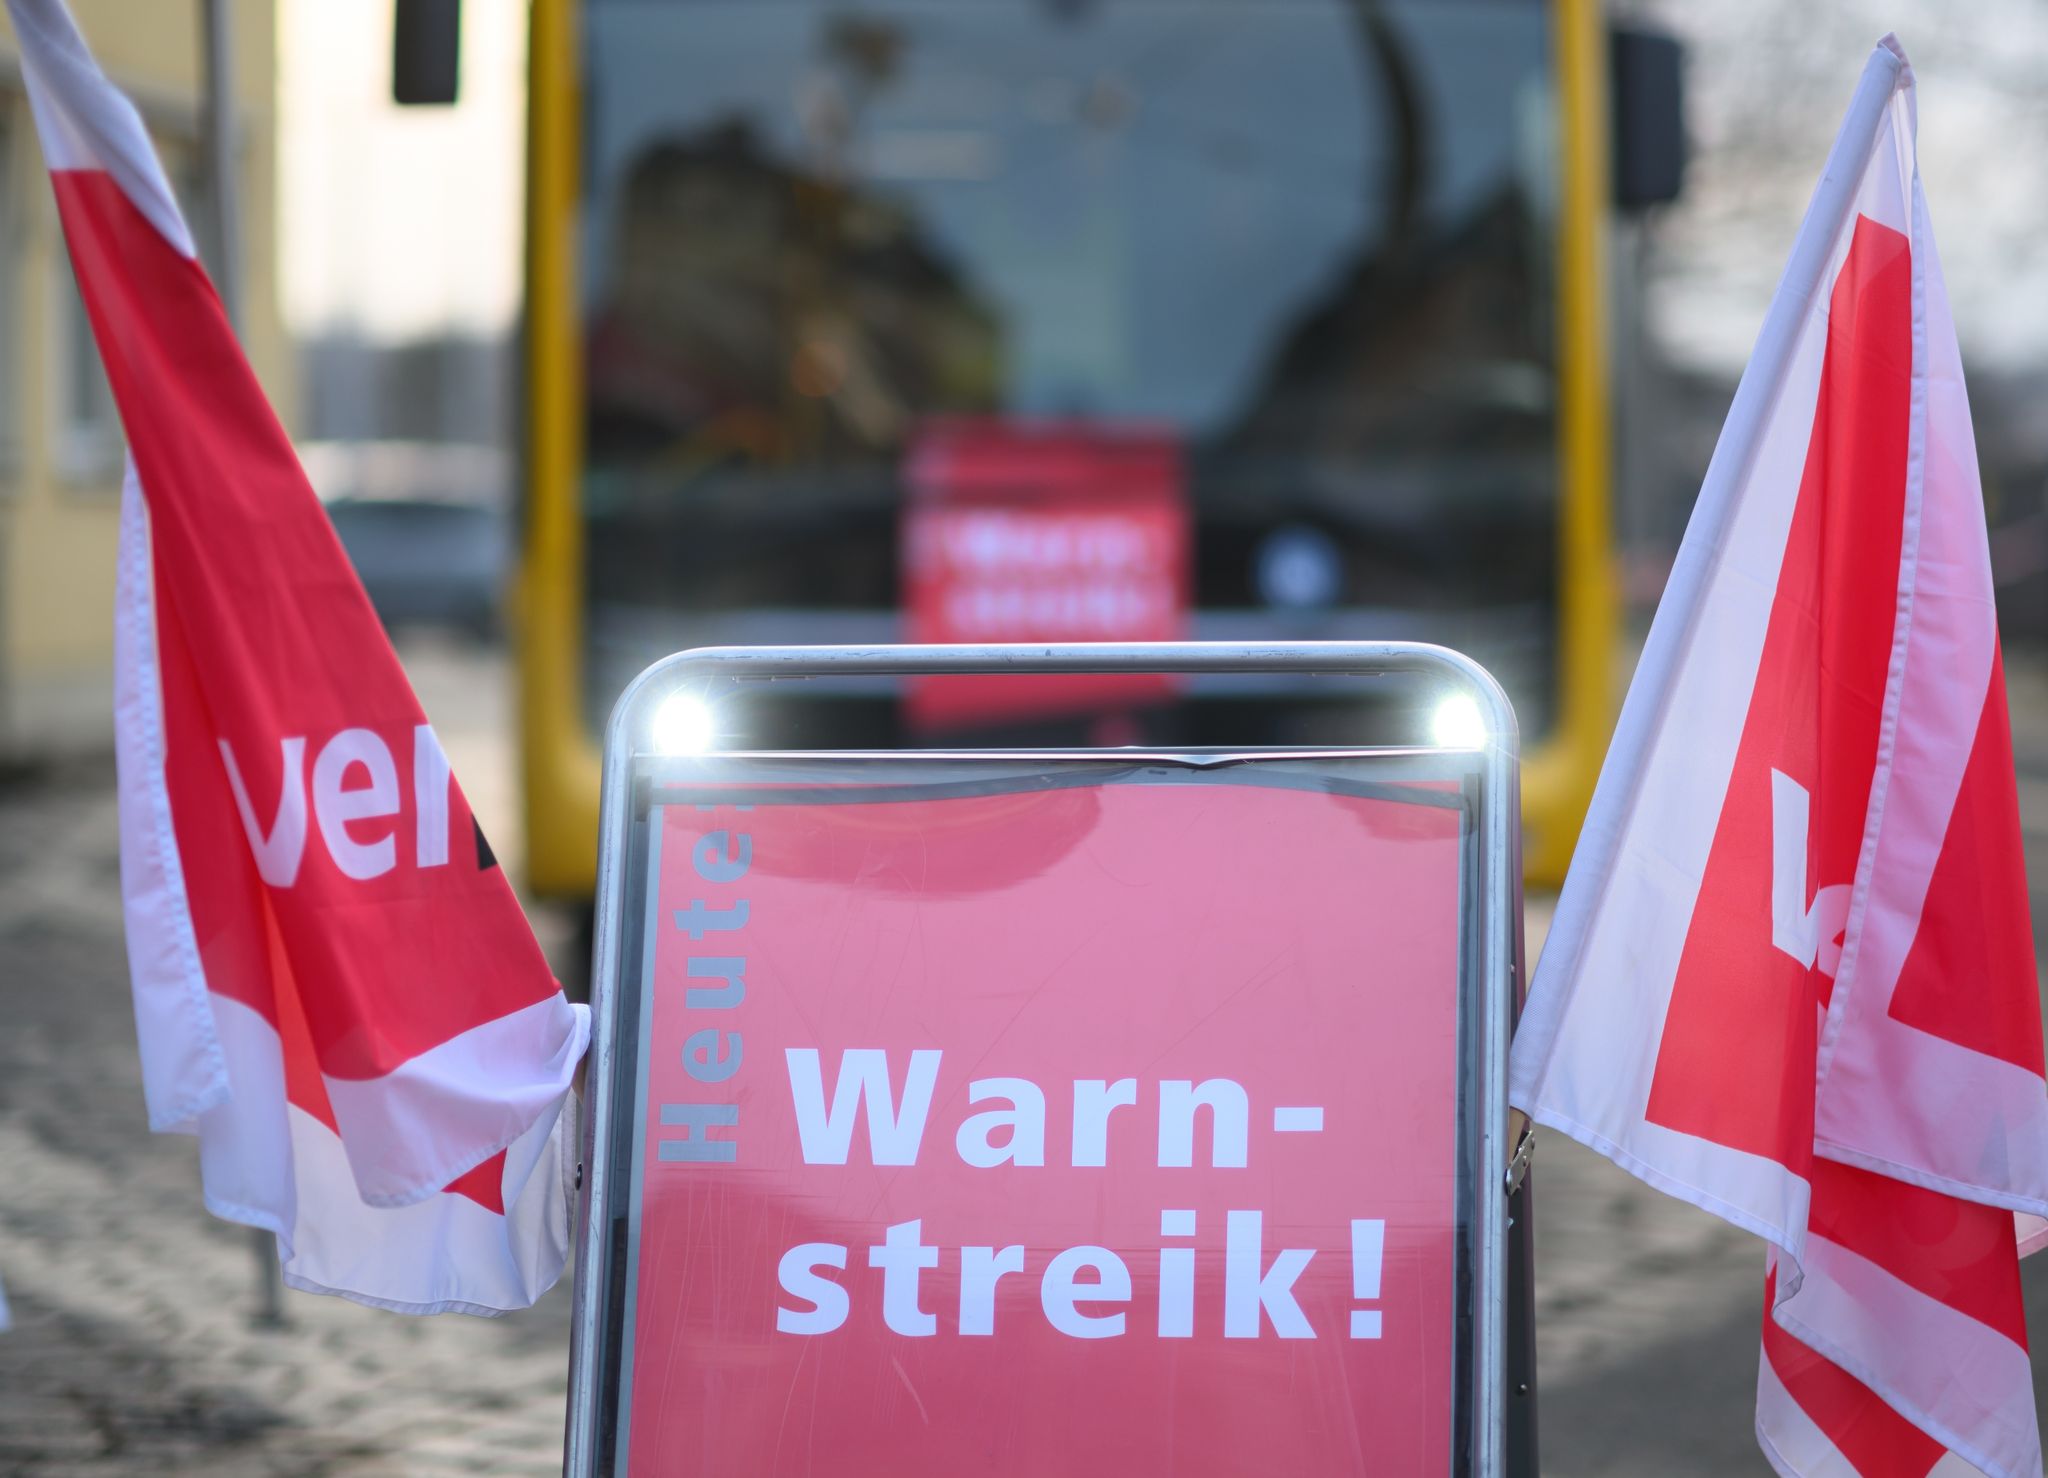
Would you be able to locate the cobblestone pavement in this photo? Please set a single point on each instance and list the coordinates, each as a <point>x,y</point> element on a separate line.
<point>134,1348</point>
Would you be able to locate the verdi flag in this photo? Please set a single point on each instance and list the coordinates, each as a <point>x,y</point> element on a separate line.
<point>335,989</point>
<point>1791,978</point>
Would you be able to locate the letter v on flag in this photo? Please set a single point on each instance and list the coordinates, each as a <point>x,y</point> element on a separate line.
<point>1791,977</point>
<point>335,988</point>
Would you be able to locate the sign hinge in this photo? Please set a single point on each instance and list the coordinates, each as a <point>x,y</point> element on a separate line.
<point>1518,1163</point>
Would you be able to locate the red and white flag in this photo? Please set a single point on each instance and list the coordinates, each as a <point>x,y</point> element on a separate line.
<point>335,988</point>
<point>1791,978</point>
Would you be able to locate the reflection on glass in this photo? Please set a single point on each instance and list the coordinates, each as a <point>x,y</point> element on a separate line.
<point>1309,238</point>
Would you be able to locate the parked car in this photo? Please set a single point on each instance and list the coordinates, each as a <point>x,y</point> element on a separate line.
<point>426,525</point>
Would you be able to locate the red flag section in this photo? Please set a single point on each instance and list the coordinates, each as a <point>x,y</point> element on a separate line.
<point>335,987</point>
<point>1976,927</point>
<point>1743,1000</point>
<point>1791,977</point>
<point>1840,1412</point>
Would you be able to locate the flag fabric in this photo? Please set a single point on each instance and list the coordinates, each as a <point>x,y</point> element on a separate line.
<point>334,986</point>
<point>1791,977</point>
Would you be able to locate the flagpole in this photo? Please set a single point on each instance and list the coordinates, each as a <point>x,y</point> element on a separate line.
<point>226,268</point>
<point>1826,213</point>
<point>219,126</point>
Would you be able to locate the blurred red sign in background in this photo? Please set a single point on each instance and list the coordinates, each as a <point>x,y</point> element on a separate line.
<point>1041,533</point>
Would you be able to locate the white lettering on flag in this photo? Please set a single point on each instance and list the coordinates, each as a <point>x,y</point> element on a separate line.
<point>278,850</point>
<point>336,803</point>
<point>1800,931</point>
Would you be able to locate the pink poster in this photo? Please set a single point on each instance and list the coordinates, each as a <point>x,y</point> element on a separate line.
<point>1047,533</point>
<point>1097,1129</point>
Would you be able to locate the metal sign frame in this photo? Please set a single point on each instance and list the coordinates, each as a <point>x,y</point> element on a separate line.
<point>1501,1438</point>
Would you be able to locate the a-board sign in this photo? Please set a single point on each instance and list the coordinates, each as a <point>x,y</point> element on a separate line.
<point>1083,1113</point>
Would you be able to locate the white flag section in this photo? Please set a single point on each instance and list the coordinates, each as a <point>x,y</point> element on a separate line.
<point>335,989</point>
<point>1791,977</point>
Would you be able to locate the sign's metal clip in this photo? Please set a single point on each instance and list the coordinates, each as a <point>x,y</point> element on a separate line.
<point>1518,1163</point>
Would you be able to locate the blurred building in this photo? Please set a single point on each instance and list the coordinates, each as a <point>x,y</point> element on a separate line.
<point>404,315</point>
<point>61,447</point>
<point>1767,86</point>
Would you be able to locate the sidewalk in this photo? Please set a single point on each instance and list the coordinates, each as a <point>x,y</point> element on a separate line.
<point>132,1349</point>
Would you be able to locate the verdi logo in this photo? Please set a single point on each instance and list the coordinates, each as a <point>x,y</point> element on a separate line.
<point>356,804</point>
